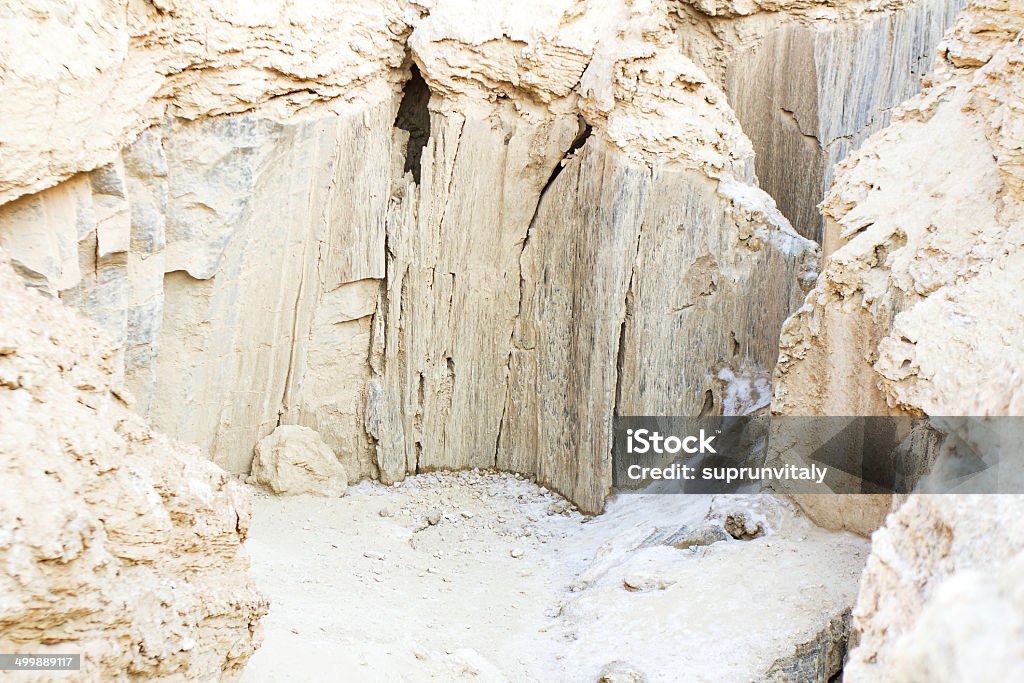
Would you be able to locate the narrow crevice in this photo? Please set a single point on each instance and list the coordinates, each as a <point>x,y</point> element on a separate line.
<point>709,404</point>
<point>791,116</point>
<point>620,352</point>
<point>581,138</point>
<point>620,358</point>
<point>414,118</point>
<point>293,351</point>
<point>582,135</point>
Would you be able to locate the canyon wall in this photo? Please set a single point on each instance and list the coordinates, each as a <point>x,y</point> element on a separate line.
<point>915,312</point>
<point>923,236</point>
<point>911,312</point>
<point>118,543</point>
<point>440,236</point>
<point>811,86</point>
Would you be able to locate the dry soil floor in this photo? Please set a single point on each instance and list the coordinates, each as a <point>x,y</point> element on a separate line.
<point>487,577</point>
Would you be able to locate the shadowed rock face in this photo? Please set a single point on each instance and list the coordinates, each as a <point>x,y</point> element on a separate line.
<point>909,314</point>
<point>809,93</point>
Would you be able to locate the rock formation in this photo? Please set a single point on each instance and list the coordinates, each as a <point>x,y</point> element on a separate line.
<point>383,241</point>
<point>457,234</point>
<point>914,313</point>
<point>292,460</point>
<point>811,81</point>
<point>941,597</point>
<point>910,312</point>
<point>117,542</point>
<point>372,220</point>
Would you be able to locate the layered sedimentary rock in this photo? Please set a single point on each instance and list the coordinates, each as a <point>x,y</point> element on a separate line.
<point>105,70</point>
<point>911,312</point>
<point>915,312</point>
<point>431,232</point>
<point>811,81</point>
<point>117,542</point>
<point>568,307</point>
<point>640,271</point>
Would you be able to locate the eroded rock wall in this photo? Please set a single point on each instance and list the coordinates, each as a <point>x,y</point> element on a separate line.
<point>912,312</point>
<point>403,224</point>
<point>915,311</point>
<point>923,237</point>
<point>810,85</point>
<point>117,542</point>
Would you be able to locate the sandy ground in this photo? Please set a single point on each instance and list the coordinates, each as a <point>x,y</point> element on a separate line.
<point>487,577</point>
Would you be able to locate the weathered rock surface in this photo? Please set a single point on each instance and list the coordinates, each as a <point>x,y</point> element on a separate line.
<point>442,237</point>
<point>293,460</point>
<point>294,240</point>
<point>911,312</point>
<point>811,81</point>
<point>941,597</point>
<point>117,542</point>
<point>105,70</point>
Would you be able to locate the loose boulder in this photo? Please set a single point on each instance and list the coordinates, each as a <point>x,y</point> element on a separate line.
<point>293,460</point>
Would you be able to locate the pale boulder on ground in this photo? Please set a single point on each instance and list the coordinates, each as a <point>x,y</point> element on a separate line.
<point>294,460</point>
<point>116,542</point>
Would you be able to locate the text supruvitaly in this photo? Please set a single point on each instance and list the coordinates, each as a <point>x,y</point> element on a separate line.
<point>728,475</point>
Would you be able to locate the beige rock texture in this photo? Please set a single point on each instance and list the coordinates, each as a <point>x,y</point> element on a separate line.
<point>941,597</point>
<point>292,460</point>
<point>430,231</point>
<point>355,239</point>
<point>117,542</point>
<point>811,81</point>
<point>911,313</point>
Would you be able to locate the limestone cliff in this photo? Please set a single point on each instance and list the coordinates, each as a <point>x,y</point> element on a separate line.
<point>429,231</point>
<point>910,313</point>
<point>915,311</point>
<point>279,232</point>
<point>117,542</point>
<point>810,81</point>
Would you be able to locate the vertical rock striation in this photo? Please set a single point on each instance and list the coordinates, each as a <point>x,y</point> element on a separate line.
<point>820,82</point>
<point>430,233</point>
